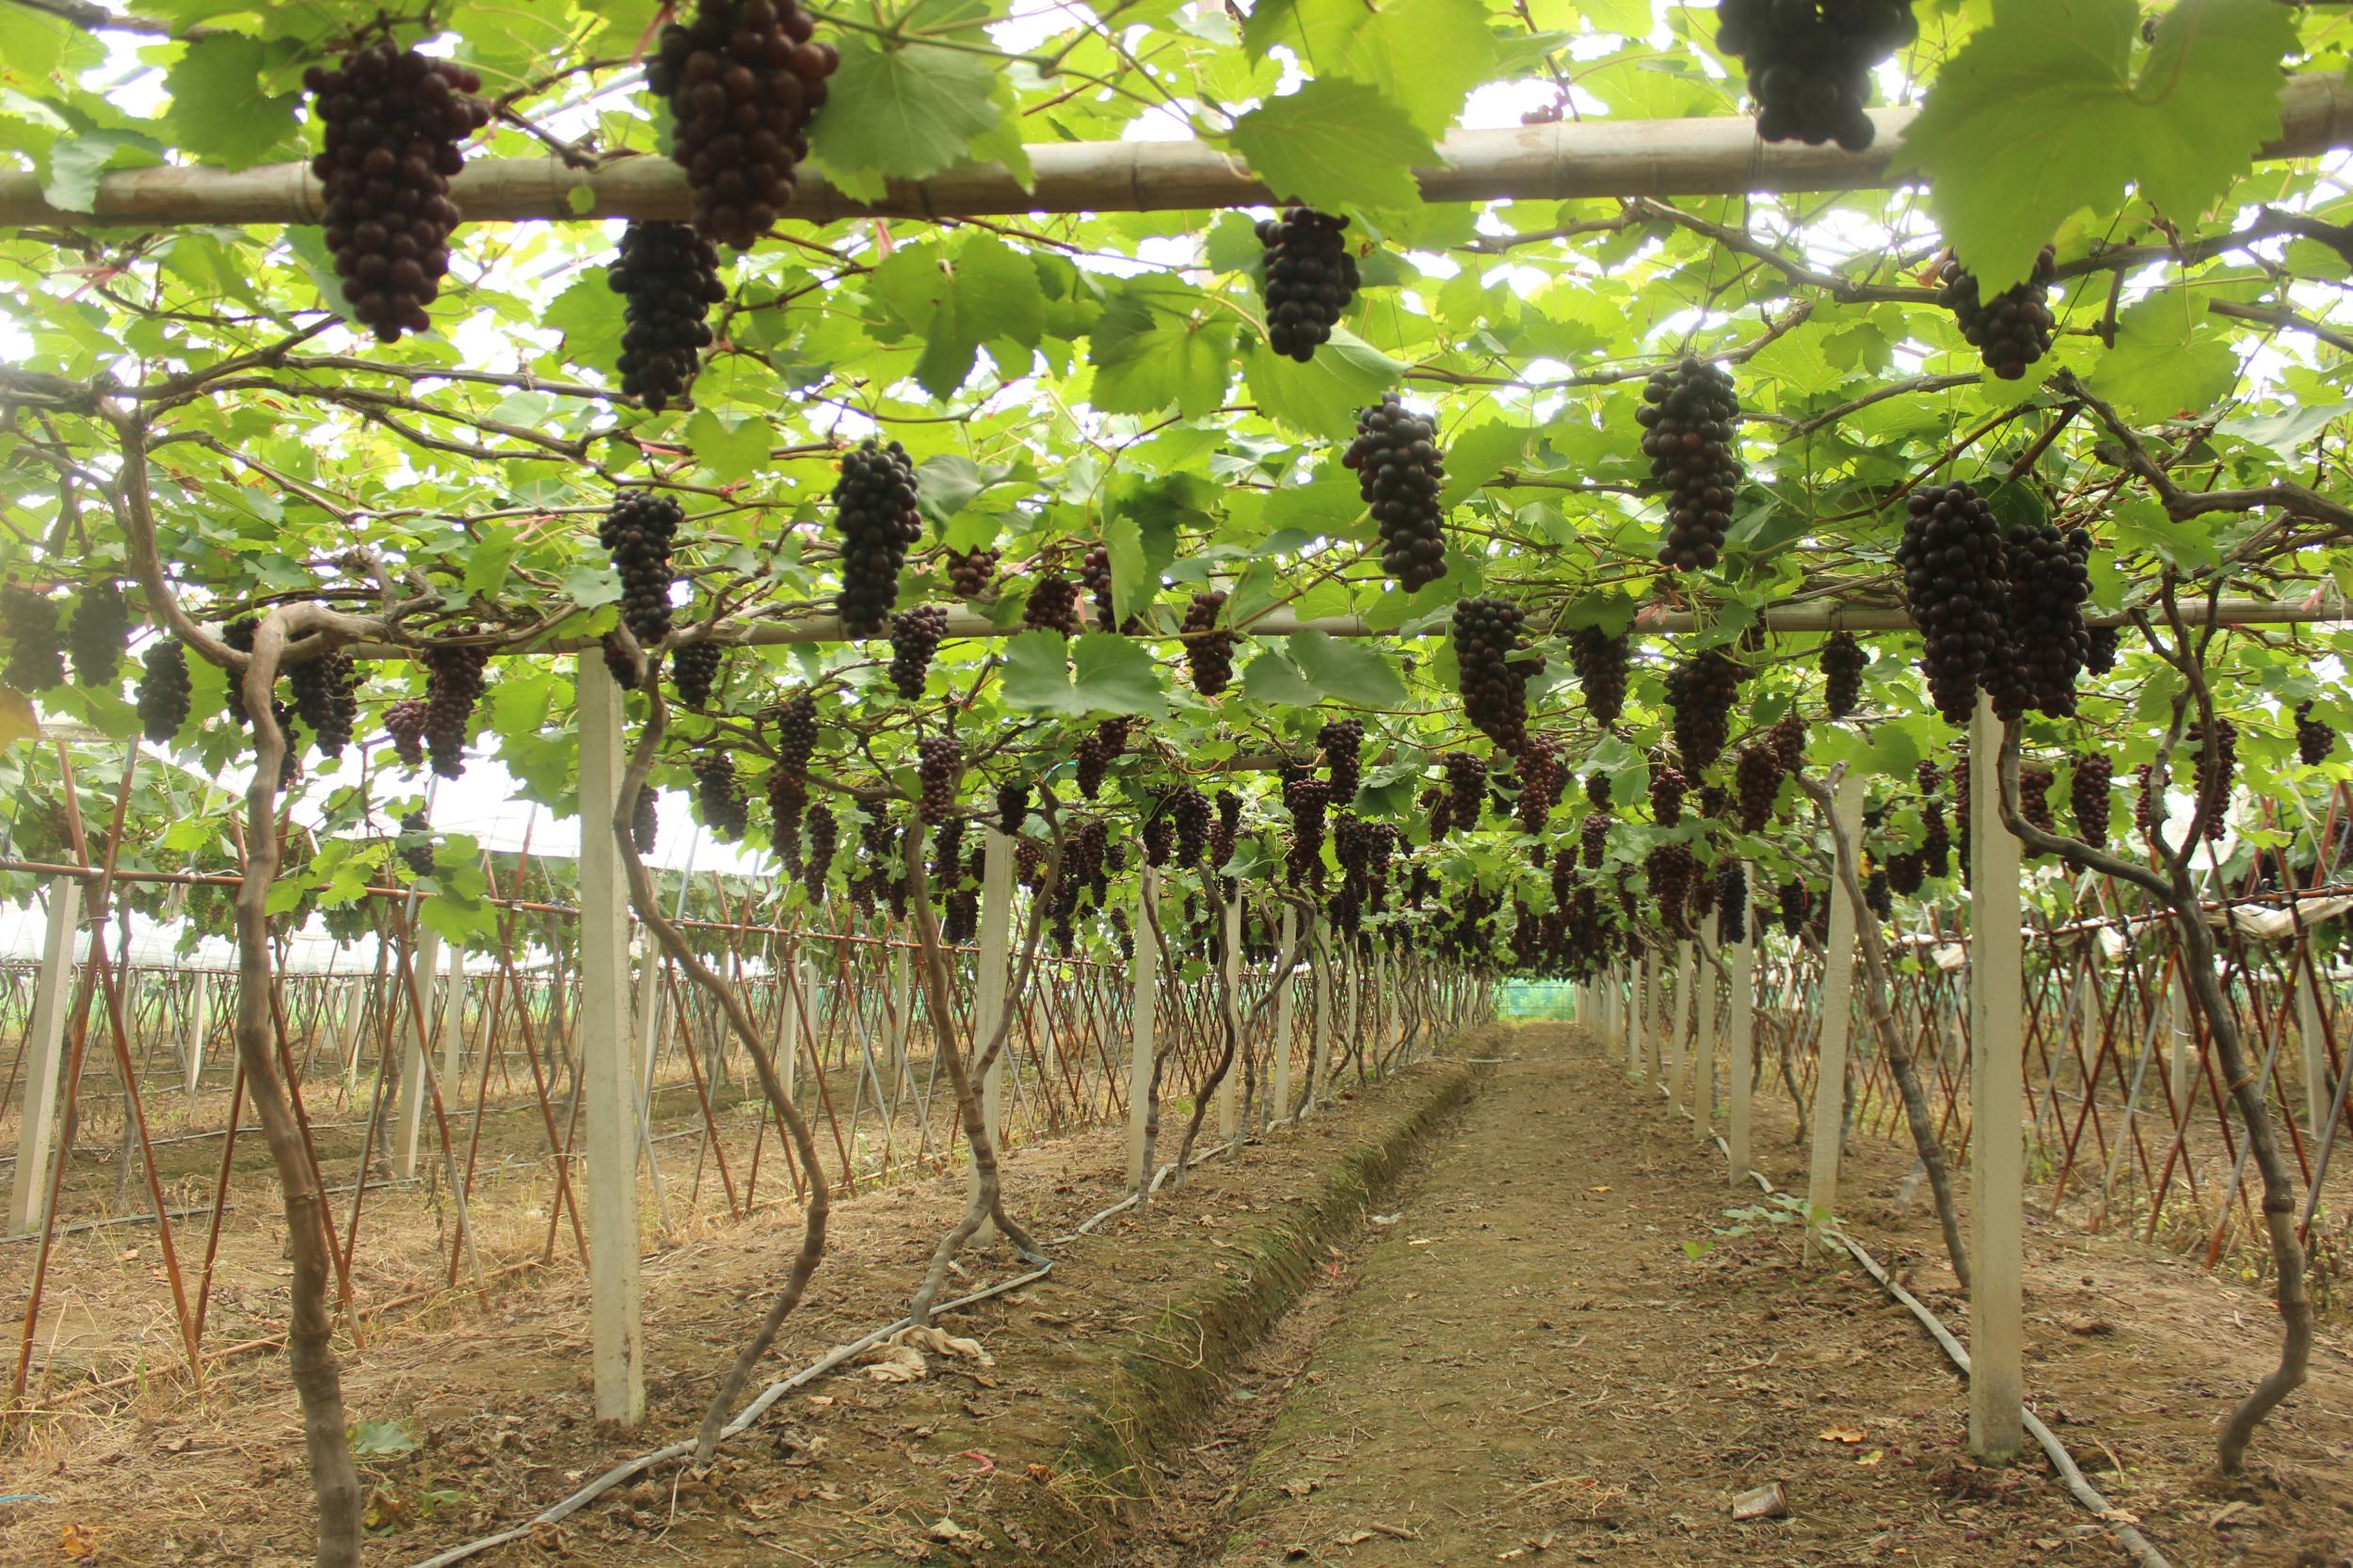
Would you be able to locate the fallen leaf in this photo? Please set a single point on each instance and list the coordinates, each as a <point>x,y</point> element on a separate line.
<point>1840,1435</point>
<point>1873,1457</point>
<point>1603,1188</point>
<point>77,1543</point>
<point>949,1530</point>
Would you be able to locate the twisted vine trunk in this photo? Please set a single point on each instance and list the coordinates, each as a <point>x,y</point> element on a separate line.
<point>644,898</point>
<point>1898,1051</point>
<point>310,1331</point>
<point>1235,1025</point>
<point>2278,1203</point>
<point>988,1198</point>
<point>2201,969</point>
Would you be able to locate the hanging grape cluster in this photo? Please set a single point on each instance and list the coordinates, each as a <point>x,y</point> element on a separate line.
<point>825,834</point>
<point>1543,779</point>
<point>1097,750</point>
<point>939,765</point>
<point>1732,898</point>
<point>1466,786</point>
<point>1810,62</point>
<point>1208,652</point>
<point>1307,796</point>
<point>1955,579</point>
<point>99,636</point>
<point>637,534</point>
<point>1877,895</point>
<point>2314,739</point>
<point>2043,622</point>
<point>2218,764</point>
<point>695,670</point>
<point>972,572</point>
<point>1399,473</point>
<point>2012,332</point>
<point>2101,644</point>
<point>1600,661</point>
<point>720,794</point>
<point>326,698</point>
<point>1843,662</point>
<point>394,120</point>
<point>742,81</point>
<point>874,513</point>
<point>2088,794</point>
<point>1489,641</point>
<point>915,636</point>
<point>1907,870</point>
<point>404,725</point>
<point>1095,576</point>
<point>36,654</point>
<point>1343,742</point>
<point>667,277</point>
<point>1757,783</point>
<point>453,684</point>
<point>416,844</point>
<point>645,822</point>
<point>1701,692</point>
<point>1311,278</point>
<point>164,690</point>
<point>1667,788</point>
<point>1190,809</point>
<point>2147,808</point>
<point>1689,418</point>
<point>1052,606</point>
<point>1796,905</point>
<point>1597,789</point>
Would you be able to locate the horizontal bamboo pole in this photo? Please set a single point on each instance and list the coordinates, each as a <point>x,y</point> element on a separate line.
<point>1823,617</point>
<point>1709,156</point>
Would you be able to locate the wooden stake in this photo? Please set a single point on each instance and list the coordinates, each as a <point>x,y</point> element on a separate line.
<point>990,979</point>
<point>1703,1030</point>
<point>608,1076</point>
<point>1319,1079</point>
<point>1997,1383</point>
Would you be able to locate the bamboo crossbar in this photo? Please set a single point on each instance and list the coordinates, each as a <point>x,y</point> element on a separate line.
<point>1709,156</point>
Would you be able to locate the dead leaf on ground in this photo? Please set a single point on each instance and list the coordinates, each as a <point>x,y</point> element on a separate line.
<point>1841,1435</point>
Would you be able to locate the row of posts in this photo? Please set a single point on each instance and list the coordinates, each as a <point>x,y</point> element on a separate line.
<point>1628,1008</point>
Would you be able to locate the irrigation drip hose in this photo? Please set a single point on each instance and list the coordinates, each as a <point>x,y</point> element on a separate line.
<point>2078,1486</point>
<point>630,1468</point>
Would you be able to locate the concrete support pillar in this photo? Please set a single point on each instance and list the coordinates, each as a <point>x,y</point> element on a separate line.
<point>1997,1383</point>
<point>44,1063</point>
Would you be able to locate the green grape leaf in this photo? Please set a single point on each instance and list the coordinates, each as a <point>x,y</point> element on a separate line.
<point>900,111</point>
<point>222,109</point>
<point>2169,359</point>
<point>1348,670</point>
<point>2181,128</point>
<point>1335,144</point>
<point>1322,396</point>
<point>1161,341</point>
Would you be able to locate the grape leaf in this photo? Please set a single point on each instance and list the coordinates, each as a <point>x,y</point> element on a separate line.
<point>901,111</point>
<point>1353,672</point>
<point>221,106</point>
<point>1157,343</point>
<point>1322,396</point>
<point>2182,128</point>
<point>1422,55</point>
<point>1335,144</point>
<point>2168,359</point>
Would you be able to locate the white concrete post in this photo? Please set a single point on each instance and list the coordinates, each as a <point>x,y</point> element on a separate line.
<point>2318,1102</point>
<point>1682,1014</point>
<point>1703,1030</point>
<point>1319,1081</point>
<point>454,1020</point>
<point>2184,1043</point>
<point>1740,1045</point>
<point>608,1081</point>
<point>1229,1091</point>
<point>1829,1080</point>
<point>355,1017</point>
<point>1997,1383</point>
<point>1282,1102</point>
<point>1638,1013</point>
<point>799,995</point>
<point>44,1049</point>
<point>1142,1023</point>
<point>199,1026</point>
<point>990,983</point>
<point>424,953</point>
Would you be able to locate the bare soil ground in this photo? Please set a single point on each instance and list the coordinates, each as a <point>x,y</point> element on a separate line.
<point>1534,1367</point>
<point>1525,1364</point>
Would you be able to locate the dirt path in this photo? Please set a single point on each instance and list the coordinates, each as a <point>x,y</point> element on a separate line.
<point>1531,1366</point>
